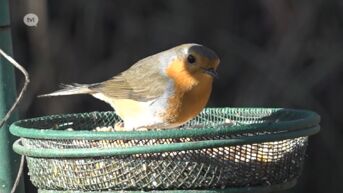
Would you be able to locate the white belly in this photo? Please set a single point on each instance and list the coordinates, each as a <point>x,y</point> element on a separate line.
<point>137,114</point>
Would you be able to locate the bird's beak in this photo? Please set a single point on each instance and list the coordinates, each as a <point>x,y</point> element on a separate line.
<point>211,71</point>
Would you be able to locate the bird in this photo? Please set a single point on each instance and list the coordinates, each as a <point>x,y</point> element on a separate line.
<point>161,91</point>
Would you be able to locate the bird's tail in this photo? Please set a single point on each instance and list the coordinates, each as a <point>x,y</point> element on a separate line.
<point>70,90</point>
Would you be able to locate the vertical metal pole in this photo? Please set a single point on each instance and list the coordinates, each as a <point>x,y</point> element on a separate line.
<point>9,161</point>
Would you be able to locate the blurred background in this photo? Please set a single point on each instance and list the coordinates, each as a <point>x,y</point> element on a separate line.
<point>285,53</point>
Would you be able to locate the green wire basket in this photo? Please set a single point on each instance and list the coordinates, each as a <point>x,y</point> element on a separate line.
<point>221,150</point>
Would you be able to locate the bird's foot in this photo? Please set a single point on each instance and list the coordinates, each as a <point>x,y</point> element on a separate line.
<point>142,129</point>
<point>229,122</point>
<point>119,127</point>
<point>104,129</point>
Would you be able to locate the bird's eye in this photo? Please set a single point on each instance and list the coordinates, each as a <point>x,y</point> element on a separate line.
<point>191,59</point>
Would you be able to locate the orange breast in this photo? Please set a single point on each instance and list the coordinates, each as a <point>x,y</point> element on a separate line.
<point>191,93</point>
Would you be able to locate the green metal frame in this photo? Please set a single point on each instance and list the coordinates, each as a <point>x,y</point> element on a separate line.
<point>9,161</point>
<point>94,152</point>
<point>273,124</point>
<point>309,119</point>
<point>304,126</point>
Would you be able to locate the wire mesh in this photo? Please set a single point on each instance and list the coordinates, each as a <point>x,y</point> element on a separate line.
<point>244,165</point>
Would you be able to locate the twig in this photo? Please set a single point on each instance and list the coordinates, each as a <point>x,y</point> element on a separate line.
<point>27,80</point>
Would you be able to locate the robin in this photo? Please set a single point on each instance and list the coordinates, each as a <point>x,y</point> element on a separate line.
<point>161,91</point>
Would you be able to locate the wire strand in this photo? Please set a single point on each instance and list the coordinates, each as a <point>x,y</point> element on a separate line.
<point>20,172</point>
<point>20,96</point>
<point>8,114</point>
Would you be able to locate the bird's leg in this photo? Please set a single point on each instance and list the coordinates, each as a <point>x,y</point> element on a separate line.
<point>119,126</point>
<point>229,122</point>
<point>104,129</point>
<point>142,129</point>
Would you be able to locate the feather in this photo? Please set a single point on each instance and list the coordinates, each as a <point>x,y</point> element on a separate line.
<point>70,89</point>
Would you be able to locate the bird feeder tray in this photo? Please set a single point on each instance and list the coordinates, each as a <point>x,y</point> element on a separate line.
<point>220,150</point>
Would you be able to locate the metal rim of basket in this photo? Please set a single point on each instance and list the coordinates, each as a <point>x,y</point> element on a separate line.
<point>307,125</point>
<point>309,119</point>
<point>95,152</point>
<point>254,189</point>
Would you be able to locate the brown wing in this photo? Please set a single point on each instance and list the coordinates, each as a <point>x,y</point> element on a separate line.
<point>142,82</point>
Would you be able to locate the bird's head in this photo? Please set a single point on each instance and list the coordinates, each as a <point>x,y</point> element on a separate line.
<point>193,64</point>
